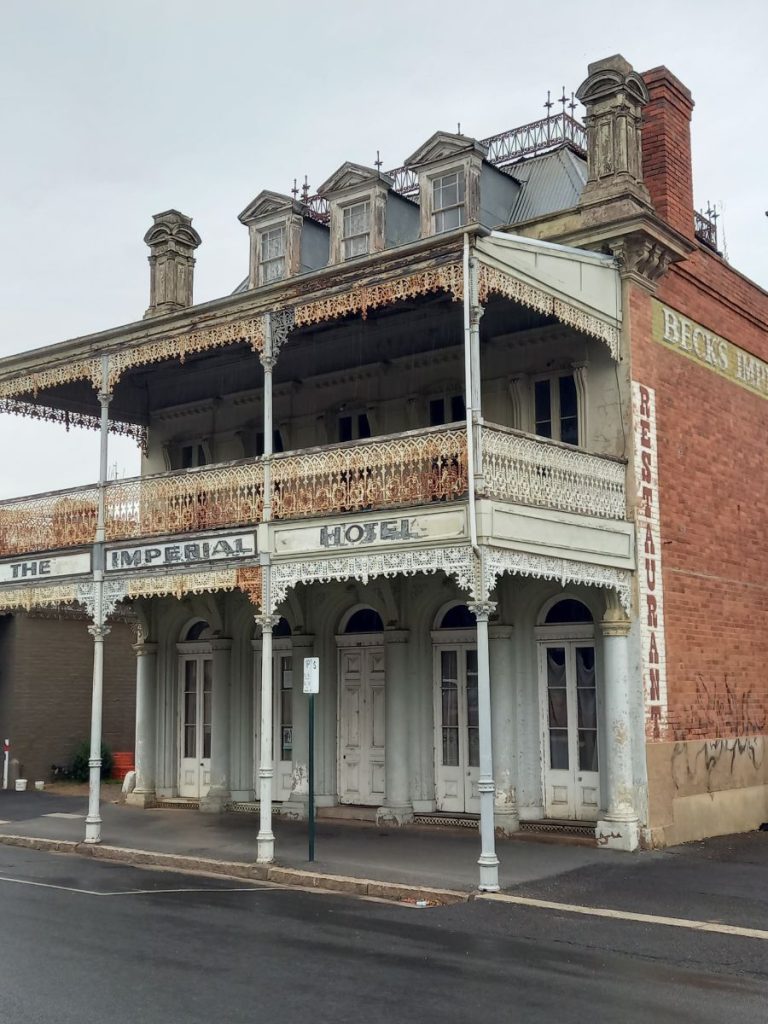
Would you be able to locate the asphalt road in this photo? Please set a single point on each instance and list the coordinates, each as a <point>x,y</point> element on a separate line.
<point>100,942</point>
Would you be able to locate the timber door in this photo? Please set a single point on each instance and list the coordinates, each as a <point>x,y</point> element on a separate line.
<point>457,751</point>
<point>195,739</point>
<point>361,725</point>
<point>569,718</point>
<point>283,725</point>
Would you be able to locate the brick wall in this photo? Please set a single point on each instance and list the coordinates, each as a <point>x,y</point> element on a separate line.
<point>52,669</point>
<point>713,479</point>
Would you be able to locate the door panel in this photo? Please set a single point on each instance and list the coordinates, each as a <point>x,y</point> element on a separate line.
<point>569,713</point>
<point>457,753</point>
<point>195,726</point>
<point>362,727</point>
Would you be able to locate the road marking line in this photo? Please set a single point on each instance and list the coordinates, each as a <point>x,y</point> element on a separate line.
<point>628,915</point>
<point>138,892</point>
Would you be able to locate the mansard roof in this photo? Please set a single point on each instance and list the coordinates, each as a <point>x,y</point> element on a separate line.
<point>350,174</point>
<point>267,202</point>
<point>443,145</point>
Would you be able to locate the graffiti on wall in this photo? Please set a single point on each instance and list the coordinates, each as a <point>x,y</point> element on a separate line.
<point>735,716</point>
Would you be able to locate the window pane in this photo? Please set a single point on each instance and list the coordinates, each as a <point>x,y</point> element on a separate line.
<point>588,750</point>
<point>357,246</point>
<point>558,709</point>
<point>273,270</point>
<point>446,220</point>
<point>436,412</point>
<point>558,749</point>
<point>556,666</point>
<point>542,408</point>
<point>458,409</point>
<point>363,426</point>
<point>272,244</point>
<point>345,428</point>
<point>569,419</point>
<point>451,747</point>
<point>356,219</point>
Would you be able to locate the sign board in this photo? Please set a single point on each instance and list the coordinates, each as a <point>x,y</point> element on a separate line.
<point>35,570</point>
<point>187,552</point>
<point>311,675</point>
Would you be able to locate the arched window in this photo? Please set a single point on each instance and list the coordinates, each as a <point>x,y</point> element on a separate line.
<point>458,617</point>
<point>568,611</point>
<point>196,631</point>
<point>364,620</point>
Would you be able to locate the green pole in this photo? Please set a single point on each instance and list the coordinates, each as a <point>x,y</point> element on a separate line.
<point>311,808</point>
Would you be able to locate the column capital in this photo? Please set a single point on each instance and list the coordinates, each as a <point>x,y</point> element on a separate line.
<point>482,610</point>
<point>500,631</point>
<point>99,632</point>
<point>143,648</point>
<point>615,627</point>
<point>396,636</point>
<point>266,622</point>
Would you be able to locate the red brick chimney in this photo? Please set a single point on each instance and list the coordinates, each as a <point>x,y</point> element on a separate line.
<point>666,134</point>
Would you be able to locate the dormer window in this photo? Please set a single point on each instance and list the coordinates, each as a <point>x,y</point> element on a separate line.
<point>272,255</point>
<point>448,201</point>
<point>356,229</point>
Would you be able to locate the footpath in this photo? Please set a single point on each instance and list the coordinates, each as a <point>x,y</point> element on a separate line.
<point>722,880</point>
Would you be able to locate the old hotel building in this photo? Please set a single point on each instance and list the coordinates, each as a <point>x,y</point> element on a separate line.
<point>484,434</point>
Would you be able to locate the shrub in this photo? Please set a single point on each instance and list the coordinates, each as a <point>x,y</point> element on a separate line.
<point>80,767</point>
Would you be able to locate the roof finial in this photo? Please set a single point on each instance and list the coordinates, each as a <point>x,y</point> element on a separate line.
<point>295,190</point>
<point>377,162</point>
<point>305,190</point>
<point>572,104</point>
<point>563,101</point>
<point>549,104</point>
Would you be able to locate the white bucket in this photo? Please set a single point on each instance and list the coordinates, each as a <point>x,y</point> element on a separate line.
<point>40,785</point>
<point>21,785</point>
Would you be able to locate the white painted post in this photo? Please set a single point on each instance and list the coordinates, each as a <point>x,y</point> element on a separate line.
<point>6,757</point>
<point>98,630</point>
<point>397,807</point>
<point>504,725</point>
<point>219,792</point>
<point>489,862</point>
<point>266,840</point>
<point>619,828</point>
<point>146,698</point>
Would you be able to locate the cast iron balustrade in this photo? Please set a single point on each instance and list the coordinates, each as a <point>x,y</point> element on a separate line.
<point>414,468</point>
<point>533,470</point>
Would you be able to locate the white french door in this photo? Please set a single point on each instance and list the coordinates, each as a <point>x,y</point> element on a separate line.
<point>361,725</point>
<point>283,725</point>
<point>569,711</point>
<point>195,721</point>
<point>457,749</point>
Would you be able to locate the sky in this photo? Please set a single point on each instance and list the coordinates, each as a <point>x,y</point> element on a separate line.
<point>110,113</point>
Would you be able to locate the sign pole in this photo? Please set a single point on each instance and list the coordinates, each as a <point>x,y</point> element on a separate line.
<point>311,808</point>
<point>311,687</point>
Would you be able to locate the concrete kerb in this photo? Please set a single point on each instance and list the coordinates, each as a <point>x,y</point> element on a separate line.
<point>290,877</point>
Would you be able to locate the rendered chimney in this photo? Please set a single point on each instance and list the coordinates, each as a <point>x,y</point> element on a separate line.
<point>613,95</point>
<point>172,241</point>
<point>667,149</point>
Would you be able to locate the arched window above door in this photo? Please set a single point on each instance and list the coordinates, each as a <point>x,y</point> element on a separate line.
<point>196,631</point>
<point>457,617</point>
<point>364,620</point>
<point>568,611</point>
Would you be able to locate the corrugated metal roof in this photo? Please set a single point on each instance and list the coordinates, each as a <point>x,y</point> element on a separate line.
<point>550,182</point>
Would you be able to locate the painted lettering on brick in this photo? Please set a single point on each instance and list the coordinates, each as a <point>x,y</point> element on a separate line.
<point>649,562</point>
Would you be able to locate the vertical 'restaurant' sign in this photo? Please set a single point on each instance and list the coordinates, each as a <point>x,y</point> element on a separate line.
<point>650,586</point>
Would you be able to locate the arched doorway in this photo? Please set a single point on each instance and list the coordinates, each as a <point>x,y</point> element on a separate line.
<point>362,680</point>
<point>569,710</point>
<point>457,755</point>
<point>195,706</point>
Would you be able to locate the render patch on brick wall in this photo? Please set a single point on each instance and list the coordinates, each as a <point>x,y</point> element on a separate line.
<point>650,587</point>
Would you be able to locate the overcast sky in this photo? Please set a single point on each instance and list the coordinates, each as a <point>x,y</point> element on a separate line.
<point>110,113</point>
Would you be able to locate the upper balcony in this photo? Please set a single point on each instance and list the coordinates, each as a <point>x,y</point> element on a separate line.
<point>407,470</point>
